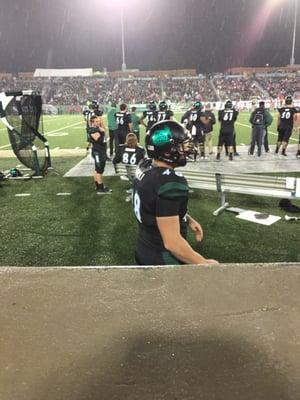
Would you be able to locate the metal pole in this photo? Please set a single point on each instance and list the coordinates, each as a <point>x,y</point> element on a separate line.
<point>123,40</point>
<point>292,62</point>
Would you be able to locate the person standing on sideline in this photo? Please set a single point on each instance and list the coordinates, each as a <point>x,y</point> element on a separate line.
<point>124,125</point>
<point>259,119</point>
<point>98,141</point>
<point>285,124</point>
<point>227,118</point>
<point>198,121</point>
<point>208,129</point>
<point>160,200</point>
<point>112,126</point>
<point>135,123</point>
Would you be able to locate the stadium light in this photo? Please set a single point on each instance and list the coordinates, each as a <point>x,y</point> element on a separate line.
<point>123,39</point>
<point>292,62</point>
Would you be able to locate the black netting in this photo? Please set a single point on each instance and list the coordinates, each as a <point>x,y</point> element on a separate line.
<point>24,115</point>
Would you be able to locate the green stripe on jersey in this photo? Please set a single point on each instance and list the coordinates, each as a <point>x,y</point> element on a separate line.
<point>173,189</point>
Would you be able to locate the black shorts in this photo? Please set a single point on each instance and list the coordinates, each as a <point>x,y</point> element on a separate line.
<point>150,256</point>
<point>100,160</point>
<point>284,134</point>
<point>225,138</point>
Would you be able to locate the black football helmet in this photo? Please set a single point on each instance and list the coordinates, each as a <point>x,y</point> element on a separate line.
<point>288,100</point>
<point>152,105</point>
<point>163,106</point>
<point>228,104</point>
<point>197,105</point>
<point>95,105</point>
<point>169,142</point>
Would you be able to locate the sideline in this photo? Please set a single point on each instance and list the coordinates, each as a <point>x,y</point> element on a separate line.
<point>272,133</point>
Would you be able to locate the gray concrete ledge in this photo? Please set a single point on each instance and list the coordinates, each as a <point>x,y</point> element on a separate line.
<point>222,332</point>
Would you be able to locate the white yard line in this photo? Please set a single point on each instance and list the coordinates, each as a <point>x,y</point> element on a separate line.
<point>3,147</point>
<point>272,133</point>
<point>64,127</point>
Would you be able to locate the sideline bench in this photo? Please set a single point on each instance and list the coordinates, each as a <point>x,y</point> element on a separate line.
<point>249,184</point>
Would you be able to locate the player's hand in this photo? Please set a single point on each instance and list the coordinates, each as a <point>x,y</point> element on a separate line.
<point>196,228</point>
<point>212,261</point>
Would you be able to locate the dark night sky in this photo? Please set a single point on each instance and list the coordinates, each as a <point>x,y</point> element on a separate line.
<point>210,35</point>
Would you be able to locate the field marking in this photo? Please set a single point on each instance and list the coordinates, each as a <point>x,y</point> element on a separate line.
<point>63,194</point>
<point>64,127</point>
<point>3,147</point>
<point>272,133</point>
<point>22,194</point>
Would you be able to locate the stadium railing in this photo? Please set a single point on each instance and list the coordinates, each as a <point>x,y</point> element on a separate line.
<point>248,184</point>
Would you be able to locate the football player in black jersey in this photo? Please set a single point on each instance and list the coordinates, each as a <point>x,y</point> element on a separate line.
<point>164,112</point>
<point>227,118</point>
<point>285,124</point>
<point>151,117</point>
<point>198,121</point>
<point>160,198</point>
<point>98,141</point>
<point>130,152</point>
<point>92,110</point>
<point>124,125</point>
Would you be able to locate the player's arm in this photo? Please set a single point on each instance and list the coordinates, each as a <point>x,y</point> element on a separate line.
<point>195,227</point>
<point>96,136</point>
<point>142,120</point>
<point>169,228</point>
<point>278,121</point>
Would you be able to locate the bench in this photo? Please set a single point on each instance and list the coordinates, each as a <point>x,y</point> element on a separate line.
<point>249,184</point>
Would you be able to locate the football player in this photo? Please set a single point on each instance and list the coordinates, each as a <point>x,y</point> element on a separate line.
<point>92,110</point>
<point>227,118</point>
<point>198,121</point>
<point>285,124</point>
<point>164,112</point>
<point>160,199</point>
<point>150,115</point>
<point>124,125</point>
<point>130,152</point>
<point>97,139</point>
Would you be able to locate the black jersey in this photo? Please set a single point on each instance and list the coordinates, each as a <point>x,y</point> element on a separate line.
<point>211,121</point>
<point>227,119</point>
<point>123,119</point>
<point>100,143</point>
<point>151,117</point>
<point>88,114</point>
<point>185,119</point>
<point>159,192</point>
<point>287,117</point>
<point>164,115</point>
<point>129,155</point>
<point>195,118</point>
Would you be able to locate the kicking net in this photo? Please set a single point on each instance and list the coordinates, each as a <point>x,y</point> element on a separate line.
<point>21,112</point>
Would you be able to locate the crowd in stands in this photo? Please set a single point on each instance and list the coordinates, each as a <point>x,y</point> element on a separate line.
<point>278,86</point>
<point>236,88</point>
<point>75,92</point>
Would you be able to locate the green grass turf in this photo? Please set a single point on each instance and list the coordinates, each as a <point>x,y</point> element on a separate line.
<point>68,131</point>
<point>86,229</point>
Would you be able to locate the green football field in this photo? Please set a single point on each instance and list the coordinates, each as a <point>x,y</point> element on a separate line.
<point>68,131</point>
<point>44,229</point>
